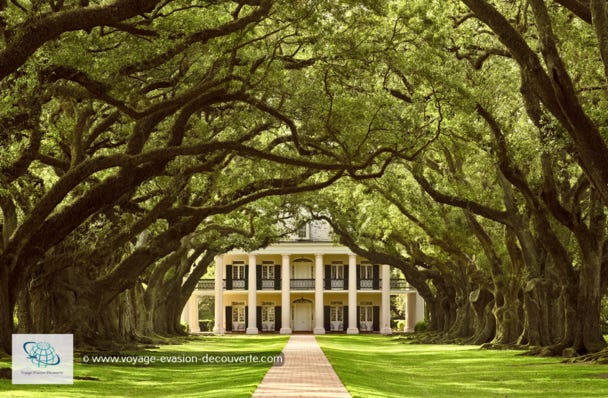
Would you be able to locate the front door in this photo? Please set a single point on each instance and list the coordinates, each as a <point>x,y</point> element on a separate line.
<point>302,317</point>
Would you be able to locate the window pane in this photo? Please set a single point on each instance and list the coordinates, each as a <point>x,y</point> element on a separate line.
<point>302,231</point>
<point>238,272</point>
<point>268,272</point>
<point>335,313</point>
<point>238,314</point>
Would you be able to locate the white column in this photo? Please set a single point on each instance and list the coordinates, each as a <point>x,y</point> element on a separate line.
<point>285,295</point>
<point>419,307</point>
<point>410,311</point>
<point>352,295</point>
<point>252,328</point>
<point>385,306</point>
<point>184,317</point>
<point>193,314</point>
<point>319,329</point>
<point>218,328</point>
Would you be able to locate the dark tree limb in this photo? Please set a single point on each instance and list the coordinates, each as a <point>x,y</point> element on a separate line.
<point>26,38</point>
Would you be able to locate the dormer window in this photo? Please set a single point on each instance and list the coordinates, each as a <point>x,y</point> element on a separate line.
<point>303,232</point>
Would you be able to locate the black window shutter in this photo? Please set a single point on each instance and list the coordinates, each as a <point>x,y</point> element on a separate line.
<point>327,277</point>
<point>258,317</point>
<point>277,277</point>
<point>346,277</point>
<point>376,321</point>
<point>359,317</point>
<point>277,317</point>
<point>326,320</point>
<point>246,317</point>
<point>228,277</point>
<point>258,277</point>
<point>246,276</point>
<point>345,316</point>
<point>228,319</point>
<point>376,276</point>
<point>358,277</point>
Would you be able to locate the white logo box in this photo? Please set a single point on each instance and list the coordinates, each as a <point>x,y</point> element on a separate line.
<point>43,359</point>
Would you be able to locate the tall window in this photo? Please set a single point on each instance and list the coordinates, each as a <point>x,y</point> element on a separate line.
<point>337,271</point>
<point>366,313</point>
<point>238,313</point>
<point>268,271</point>
<point>268,313</point>
<point>238,271</point>
<point>367,271</point>
<point>336,313</point>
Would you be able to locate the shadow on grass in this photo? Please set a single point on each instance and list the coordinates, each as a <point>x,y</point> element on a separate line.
<point>378,366</point>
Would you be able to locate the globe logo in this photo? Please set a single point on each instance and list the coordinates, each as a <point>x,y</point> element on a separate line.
<point>41,354</point>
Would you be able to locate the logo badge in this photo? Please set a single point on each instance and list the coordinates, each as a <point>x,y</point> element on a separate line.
<point>43,359</point>
<point>41,354</point>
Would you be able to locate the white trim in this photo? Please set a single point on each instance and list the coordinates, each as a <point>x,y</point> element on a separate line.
<point>297,248</point>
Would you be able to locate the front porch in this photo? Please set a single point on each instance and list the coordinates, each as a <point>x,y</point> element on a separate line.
<point>333,317</point>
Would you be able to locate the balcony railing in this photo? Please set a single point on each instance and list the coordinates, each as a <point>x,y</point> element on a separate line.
<point>206,284</point>
<point>302,284</point>
<point>366,283</point>
<point>238,284</point>
<point>399,284</point>
<point>268,284</point>
<point>337,284</point>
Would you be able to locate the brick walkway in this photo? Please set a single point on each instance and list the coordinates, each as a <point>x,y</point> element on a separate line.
<point>306,373</point>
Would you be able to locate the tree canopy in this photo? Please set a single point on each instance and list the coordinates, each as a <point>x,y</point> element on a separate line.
<point>462,142</point>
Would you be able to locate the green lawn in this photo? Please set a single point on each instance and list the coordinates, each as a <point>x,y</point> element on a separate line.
<point>378,366</point>
<point>171,380</point>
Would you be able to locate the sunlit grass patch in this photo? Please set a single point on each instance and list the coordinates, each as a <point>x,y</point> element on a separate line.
<point>165,380</point>
<point>378,366</point>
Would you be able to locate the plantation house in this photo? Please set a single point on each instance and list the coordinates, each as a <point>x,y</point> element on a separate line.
<point>304,284</point>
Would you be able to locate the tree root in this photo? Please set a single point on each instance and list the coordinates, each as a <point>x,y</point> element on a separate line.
<point>600,358</point>
<point>502,346</point>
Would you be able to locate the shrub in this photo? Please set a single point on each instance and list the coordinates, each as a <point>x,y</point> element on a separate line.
<point>206,325</point>
<point>421,326</point>
<point>400,325</point>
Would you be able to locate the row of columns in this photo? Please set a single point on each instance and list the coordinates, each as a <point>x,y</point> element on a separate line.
<point>286,296</point>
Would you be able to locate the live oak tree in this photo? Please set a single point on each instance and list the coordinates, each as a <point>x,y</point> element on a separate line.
<point>143,136</point>
<point>543,183</point>
<point>560,105</point>
<point>140,138</point>
<point>548,74</point>
<point>542,201</point>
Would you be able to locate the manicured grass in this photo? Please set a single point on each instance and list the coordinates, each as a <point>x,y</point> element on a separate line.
<point>166,380</point>
<point>378,366</point>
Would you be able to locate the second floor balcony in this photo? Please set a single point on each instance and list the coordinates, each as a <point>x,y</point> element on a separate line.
<point>303,284</point>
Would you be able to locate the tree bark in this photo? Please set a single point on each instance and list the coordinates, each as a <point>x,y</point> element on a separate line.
<point>482,302</point>
<point>6,313</point>
<point>588,335</point>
